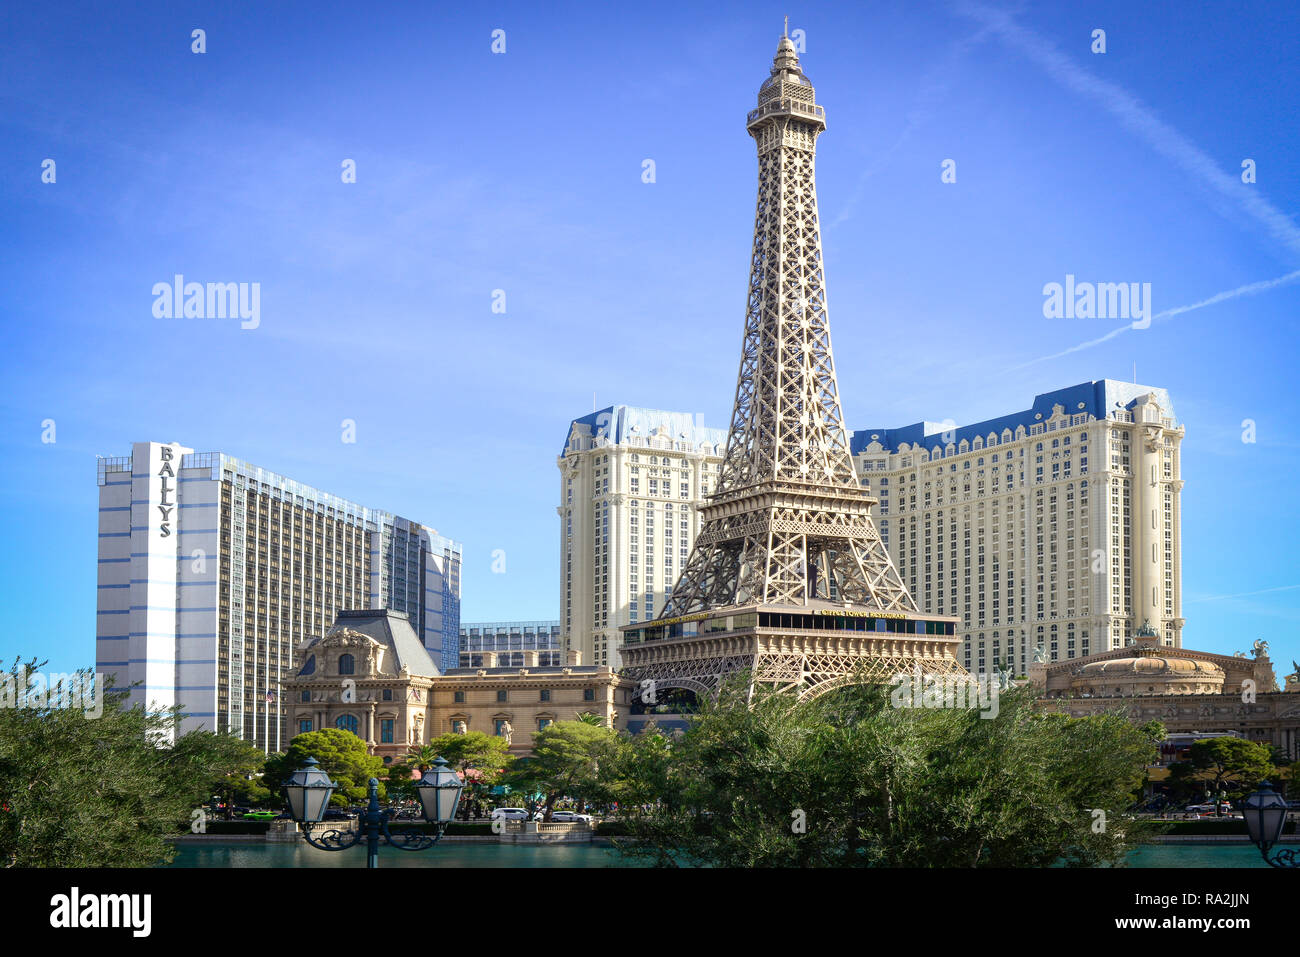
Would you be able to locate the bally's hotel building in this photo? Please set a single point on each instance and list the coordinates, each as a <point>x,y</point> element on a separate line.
<point>213,571</point>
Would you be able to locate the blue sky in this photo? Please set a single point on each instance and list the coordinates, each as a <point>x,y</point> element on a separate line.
<point>522,172</point>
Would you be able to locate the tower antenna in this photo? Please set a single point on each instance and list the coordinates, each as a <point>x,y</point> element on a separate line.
<point>786,33</point>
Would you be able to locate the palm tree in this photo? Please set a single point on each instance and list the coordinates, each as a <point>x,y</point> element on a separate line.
<point>422,757</point>
<point>591,718</point>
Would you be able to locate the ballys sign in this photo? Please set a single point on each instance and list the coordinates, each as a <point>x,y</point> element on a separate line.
<point>166,491</point>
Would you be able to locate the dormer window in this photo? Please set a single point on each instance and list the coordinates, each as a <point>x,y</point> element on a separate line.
<point>347,665</point>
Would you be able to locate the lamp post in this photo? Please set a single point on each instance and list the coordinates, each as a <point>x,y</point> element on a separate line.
<point>1265,813</point>
<point>309,792</point>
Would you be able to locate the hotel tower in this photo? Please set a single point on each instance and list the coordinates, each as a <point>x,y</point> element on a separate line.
<point>212,572</point>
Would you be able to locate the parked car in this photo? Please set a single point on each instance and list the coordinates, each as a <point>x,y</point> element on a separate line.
<point>572,817</point>
<point>510,814</point>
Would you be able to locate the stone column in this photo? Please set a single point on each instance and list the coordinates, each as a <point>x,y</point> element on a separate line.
<point>1148,526</point>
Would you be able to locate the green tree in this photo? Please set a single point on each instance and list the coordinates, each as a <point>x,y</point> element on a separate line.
<point>637,769</point>
<point>487,756</point>
<point>81,791</point>
<point>341,755</point>
<point>1230,760</point>
<point>565,762</point>
<point>420,757</point>
<point>849,780</point>
<point>220,765</point>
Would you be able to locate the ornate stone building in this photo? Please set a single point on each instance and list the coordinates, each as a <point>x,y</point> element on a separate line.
<point>1191,692</point>
<point>516,703</point>
<point>369,674</point>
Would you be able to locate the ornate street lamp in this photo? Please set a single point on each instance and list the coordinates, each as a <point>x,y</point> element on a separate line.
<point>1265,813</point>
<point>439,791</point>
<point>309,792</point>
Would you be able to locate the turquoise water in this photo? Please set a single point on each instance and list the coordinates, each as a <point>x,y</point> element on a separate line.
<point>483,854</point>
<point>1197,855</point>
<point>588,855</point>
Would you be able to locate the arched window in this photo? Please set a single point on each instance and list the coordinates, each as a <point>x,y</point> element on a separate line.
<point>347,722</point>
<point>347,665</point>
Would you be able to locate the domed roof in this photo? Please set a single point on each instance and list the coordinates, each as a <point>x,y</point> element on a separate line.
<point>1149,665</point>
<point>1148,672</point>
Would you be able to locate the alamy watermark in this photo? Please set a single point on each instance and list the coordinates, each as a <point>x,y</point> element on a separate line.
<point>213,300</point>
<point>1102,300</point>
<point>56,690</point>
<point>967,692</point>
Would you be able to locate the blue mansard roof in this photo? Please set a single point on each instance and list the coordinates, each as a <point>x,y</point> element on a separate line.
<point>620,423</point>
<point>1098,399</point>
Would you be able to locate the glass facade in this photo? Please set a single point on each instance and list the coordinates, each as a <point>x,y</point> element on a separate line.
<point>508,640</point>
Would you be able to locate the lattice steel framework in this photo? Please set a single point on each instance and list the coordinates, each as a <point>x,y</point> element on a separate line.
<point>788,533</point>
<point>789,522</point>
<point>803,664</point>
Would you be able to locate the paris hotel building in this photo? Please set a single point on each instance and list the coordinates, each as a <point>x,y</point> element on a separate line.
<point>631,483</point>
<point>1057,525</point>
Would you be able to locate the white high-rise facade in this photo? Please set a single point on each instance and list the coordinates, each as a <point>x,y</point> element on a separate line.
<point>1057,526</point>
<point>631,483</point>
<point>212,571</point>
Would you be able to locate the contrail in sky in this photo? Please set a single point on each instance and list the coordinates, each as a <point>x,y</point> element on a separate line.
<point>1160,136</point>
<point>1249,289</point>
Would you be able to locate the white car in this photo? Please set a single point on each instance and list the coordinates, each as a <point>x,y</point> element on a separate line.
<point>561,817</point>
<point>510,814</point>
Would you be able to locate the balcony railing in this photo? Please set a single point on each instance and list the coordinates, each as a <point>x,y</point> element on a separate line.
<point>786,105</point>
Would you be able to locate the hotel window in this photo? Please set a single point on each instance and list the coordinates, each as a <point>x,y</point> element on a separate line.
<point>388,694</point>
<point>386,731</point>
<point>546,694</point>
<point>347,722</point>
<point>588,694</point>
<point>542,723</point>
<point>503,695</point>
<point>347,665</point>
<point>459,697</point>
<point>499,726</point>
<point>304,725</point>
<point>306,696</point>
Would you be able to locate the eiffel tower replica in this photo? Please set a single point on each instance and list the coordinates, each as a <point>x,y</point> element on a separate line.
<point>788,579</point>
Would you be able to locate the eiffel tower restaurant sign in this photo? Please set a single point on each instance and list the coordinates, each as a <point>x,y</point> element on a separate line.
<point>788,581</point>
